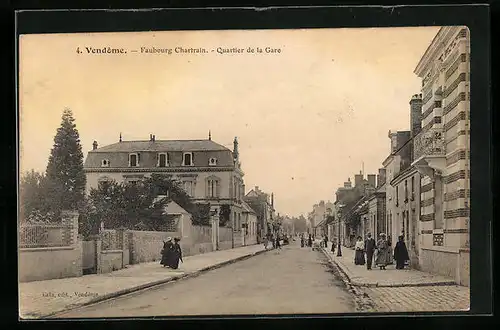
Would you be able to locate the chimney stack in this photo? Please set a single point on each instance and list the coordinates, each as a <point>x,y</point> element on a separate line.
<point>347,184</point>
<point>416,114</point>
<point>358,180</point>
<point>94,145</point>
<point>372,180</point>
<point>154,138</point>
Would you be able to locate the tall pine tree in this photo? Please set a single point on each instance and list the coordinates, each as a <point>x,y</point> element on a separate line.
<point>65,175</point>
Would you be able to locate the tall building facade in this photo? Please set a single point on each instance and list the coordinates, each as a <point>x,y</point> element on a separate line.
<point>263,204</point>
<point>442,151</point>
<point>208,172</point>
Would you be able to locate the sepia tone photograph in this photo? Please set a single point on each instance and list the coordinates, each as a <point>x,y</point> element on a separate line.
<point>244,172</point>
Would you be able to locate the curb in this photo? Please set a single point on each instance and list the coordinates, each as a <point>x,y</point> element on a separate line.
<point>377,285</point>
<point>123,292</point>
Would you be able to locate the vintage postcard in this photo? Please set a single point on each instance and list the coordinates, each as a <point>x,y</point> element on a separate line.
<point>243,172</point>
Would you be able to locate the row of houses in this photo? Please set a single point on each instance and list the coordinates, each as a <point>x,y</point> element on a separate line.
<point>422,189</point>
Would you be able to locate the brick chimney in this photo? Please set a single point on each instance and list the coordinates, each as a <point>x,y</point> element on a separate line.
<point>347,184</point>
<point>94,145</point>
<point>372,180</point>
<point>358,180</point>
<point>415,114</point>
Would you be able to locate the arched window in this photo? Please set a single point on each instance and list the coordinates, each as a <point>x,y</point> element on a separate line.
<point>213,187</point>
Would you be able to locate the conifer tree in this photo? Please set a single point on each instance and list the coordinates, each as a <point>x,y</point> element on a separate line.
<point>65,175</point>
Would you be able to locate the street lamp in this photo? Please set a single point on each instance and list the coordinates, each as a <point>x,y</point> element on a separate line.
<point>339,248</point>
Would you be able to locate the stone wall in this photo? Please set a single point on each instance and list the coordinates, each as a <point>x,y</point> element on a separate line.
<point>464,270</point>
<point>36,264</point>
<point>146,246</point>
<point>440,261</point>
<point>111,260</point>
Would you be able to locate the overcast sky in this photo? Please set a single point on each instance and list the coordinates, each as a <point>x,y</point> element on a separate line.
<point>306,118</point>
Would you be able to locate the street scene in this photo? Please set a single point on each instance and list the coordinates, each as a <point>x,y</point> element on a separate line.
<point>172,187</point>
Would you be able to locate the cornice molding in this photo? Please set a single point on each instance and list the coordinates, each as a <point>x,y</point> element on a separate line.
<point>437,45</point>
<point>404,175</point>
<point>157,169</point>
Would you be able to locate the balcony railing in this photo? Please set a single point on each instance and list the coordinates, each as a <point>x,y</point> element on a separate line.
<point>429,143</point>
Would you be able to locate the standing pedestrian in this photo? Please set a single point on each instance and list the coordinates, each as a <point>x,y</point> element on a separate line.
<point>177,254</point>
<point>333,246</point>
<point>278,244</point>
<point>310,241</point>
<point>370,246</point>
<point>302,240</point>
<point>401,253</point>
<point>266,242</point>
<point>359,254</point>
<point>383,252</point>
<point>326,242</point>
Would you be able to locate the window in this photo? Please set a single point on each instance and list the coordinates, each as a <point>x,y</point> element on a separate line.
<point>187,159</point>
<point>162,160</point>
<point>105,163</point>
<point>406,190</point>
<point>188,187</point>
<point>133,160</point>
<point>437,120</point>
<point>412,188</point>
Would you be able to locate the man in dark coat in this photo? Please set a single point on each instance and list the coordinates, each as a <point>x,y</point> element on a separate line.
<point>370,246</point>
<point>166,253</point>
<point>401,253</point>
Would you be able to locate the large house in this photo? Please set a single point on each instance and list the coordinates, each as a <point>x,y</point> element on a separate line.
<point>209,172</point>
<point>263,205</point>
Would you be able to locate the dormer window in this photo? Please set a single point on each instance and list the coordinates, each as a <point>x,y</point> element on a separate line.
<point>212,161</point>
<point>187,159</point>
<point>163,160</point>
<point>133,160</point>
<point>105,163</point>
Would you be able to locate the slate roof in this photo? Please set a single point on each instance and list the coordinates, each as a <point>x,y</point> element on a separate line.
<point>163,145</point>
<point>247,208</point>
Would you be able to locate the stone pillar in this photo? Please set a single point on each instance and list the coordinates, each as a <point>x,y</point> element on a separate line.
<point>215,232</point>
<point>120,234</point>
<point>70,233</point>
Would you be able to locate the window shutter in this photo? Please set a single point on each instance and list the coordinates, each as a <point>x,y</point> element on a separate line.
<point>138,157</point>
<point>217,188</point>
<point>192,158</point>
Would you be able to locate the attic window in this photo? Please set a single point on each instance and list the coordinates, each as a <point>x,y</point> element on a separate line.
<point>187,159</point>
<point>163,160</point>
<point>105,163</point>
<point>133,160</point>
<point>212,161</point>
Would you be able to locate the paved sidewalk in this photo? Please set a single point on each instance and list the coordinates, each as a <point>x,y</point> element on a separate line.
<point>391,277</point>
<point>41,299</point>
<point>395,290</point>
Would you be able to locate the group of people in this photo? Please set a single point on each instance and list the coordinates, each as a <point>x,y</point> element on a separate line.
<point>171,253</point>
<point>274,239</point>
<point>306,242</point>
<point>383,251</point>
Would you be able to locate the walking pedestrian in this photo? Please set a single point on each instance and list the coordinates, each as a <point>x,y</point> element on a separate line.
<point>266,242</point>
<point>302,241</point>
<point>370,246</point>
<point>326,242</point>
<point>166,253</point>
<point>278,244</point>
<point>333,246</point>
<point>177,254</point>
<point>309,241</point>
<point>383,252</point>
<point>401,253</point>
<point>359,254</point>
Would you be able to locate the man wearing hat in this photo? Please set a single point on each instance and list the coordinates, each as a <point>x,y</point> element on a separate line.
<point>176,254</point>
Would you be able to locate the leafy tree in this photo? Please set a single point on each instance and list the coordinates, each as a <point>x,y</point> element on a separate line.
<point>65,185</point>
<point>31,197</point>
<point>224,214</point>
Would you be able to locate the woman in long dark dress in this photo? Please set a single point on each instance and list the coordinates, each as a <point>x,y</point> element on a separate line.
<point>176,254</point>
<point>310,241</point>
<point>166,253</point>
<point>401,253</point>
<point>359,254</point>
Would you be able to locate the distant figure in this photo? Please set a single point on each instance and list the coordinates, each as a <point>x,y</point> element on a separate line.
<point>390,260</point>
<point>383,252</point>
<point>310,241</point>
<point>401,253</point>
<point>359,254</point>
<point>167,253</point>
<point>333,246</point>
<point>370,246</point>
<point>266,242</point>
<point>177,254</point>
<point>302,241</point>
<point>326,242</point>
<point>278,244</point>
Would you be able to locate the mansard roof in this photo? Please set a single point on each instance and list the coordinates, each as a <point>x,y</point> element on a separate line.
<point>163,145</point>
